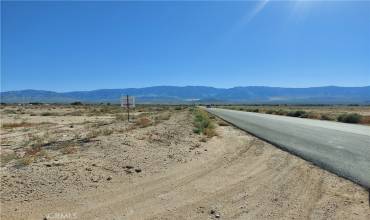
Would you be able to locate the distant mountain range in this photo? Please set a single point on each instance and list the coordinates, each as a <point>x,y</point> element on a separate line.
<point>201,94</point>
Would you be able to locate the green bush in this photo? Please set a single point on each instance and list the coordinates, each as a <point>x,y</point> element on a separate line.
<point>203,124</point>
<point>253,110</point>
<point>299,113</point>
<point>76,103</point>
<point>350,118</point>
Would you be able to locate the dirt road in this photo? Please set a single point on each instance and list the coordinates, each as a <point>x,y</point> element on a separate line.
<point>231,176</point>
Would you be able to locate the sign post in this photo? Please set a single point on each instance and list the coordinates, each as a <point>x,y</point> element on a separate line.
<point>128,108</point>
<point>128,102</point>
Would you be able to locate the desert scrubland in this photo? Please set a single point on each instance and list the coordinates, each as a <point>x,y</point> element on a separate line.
<point>89,162</point>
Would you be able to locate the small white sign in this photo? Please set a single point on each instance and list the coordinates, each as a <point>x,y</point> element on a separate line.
<point>128,102</point>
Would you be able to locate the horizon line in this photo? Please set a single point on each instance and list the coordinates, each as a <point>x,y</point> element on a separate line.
<point>20,90</point>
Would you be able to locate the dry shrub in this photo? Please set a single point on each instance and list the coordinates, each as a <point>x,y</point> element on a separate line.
<point>10,111</point>
<point>106,131</point>
<point>365,120</point>
<point>97,132</point>
<point>203,139</point>
<point>16,125</point>
<point>121,117</point>
<point>34,150</point>
<point>26,160</point>
<point>163,117</point>
<point>210,132</point>
<point>35,144</point>
<point>68,147</point>
<point>49,114</point>
<point>74,113</point>
<point>92,134</point>
<point>326,117</point>
<point>313,115</point>
<point>143,122</point>
<point>223,123</point>
<point>71,149</point>
<point>6,158</point>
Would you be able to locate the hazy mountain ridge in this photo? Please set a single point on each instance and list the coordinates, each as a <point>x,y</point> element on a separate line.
<point>176,94</point>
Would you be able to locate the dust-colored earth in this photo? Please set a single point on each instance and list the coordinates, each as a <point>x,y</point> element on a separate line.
<point>161,170</point>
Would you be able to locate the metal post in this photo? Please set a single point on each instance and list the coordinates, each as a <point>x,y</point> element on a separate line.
<point>128,108</point>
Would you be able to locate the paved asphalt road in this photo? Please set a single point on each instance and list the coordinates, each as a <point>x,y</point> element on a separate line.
<point>343,149</point>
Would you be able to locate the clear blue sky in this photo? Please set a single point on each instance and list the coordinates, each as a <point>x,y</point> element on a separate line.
<point>65,46</point>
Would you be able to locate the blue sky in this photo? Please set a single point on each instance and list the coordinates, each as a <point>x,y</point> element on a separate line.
<point>65,46</point>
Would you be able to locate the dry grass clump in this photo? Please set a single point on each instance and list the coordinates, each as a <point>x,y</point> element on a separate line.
<point>222,123</point>
<point>210,132</point>
<point>93,133</point>
<point>143,122</point>
<point>121,117</point>
<point>25,161</point>
<point>16,125</point>
<point>6,158</point>
<point>74,113</point>
<point>163,117</point>
<point>69,148</point>
<point>106,132</point>
<point>365,120</point>
<point>49,114</point>
<point>10,111</point>
<point>34,149</point>
<point>326,117</point>
<point>35,143</point>
<point>313,115</point>
<point>104,110</point>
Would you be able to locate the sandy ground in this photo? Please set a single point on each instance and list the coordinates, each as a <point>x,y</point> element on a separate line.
<point>165,171</point>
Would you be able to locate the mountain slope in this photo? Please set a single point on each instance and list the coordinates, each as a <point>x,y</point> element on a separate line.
<point>175,94</point>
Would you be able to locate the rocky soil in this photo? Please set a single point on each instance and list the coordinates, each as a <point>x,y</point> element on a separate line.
<point>163,170</point>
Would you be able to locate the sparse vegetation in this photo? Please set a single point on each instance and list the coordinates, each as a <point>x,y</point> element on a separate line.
<point>298,113</point>
<point>69,149</point>
<point>50,114</point>
<point>106,132</point>
<point>25,161</point>
<point>143,122</point>
<point>16,125</point>
<point>76,103</point>
<point>223,123</point>
<point>320,112</point>
<point>121,117</point>
<point>326,117</point>
<point>365,119</point>
<point>93,133</point>
<point>203,124</point>
<point>350,118</point>
<point>6,158</point>
<point>74,113</point>
<point>163,116</point>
